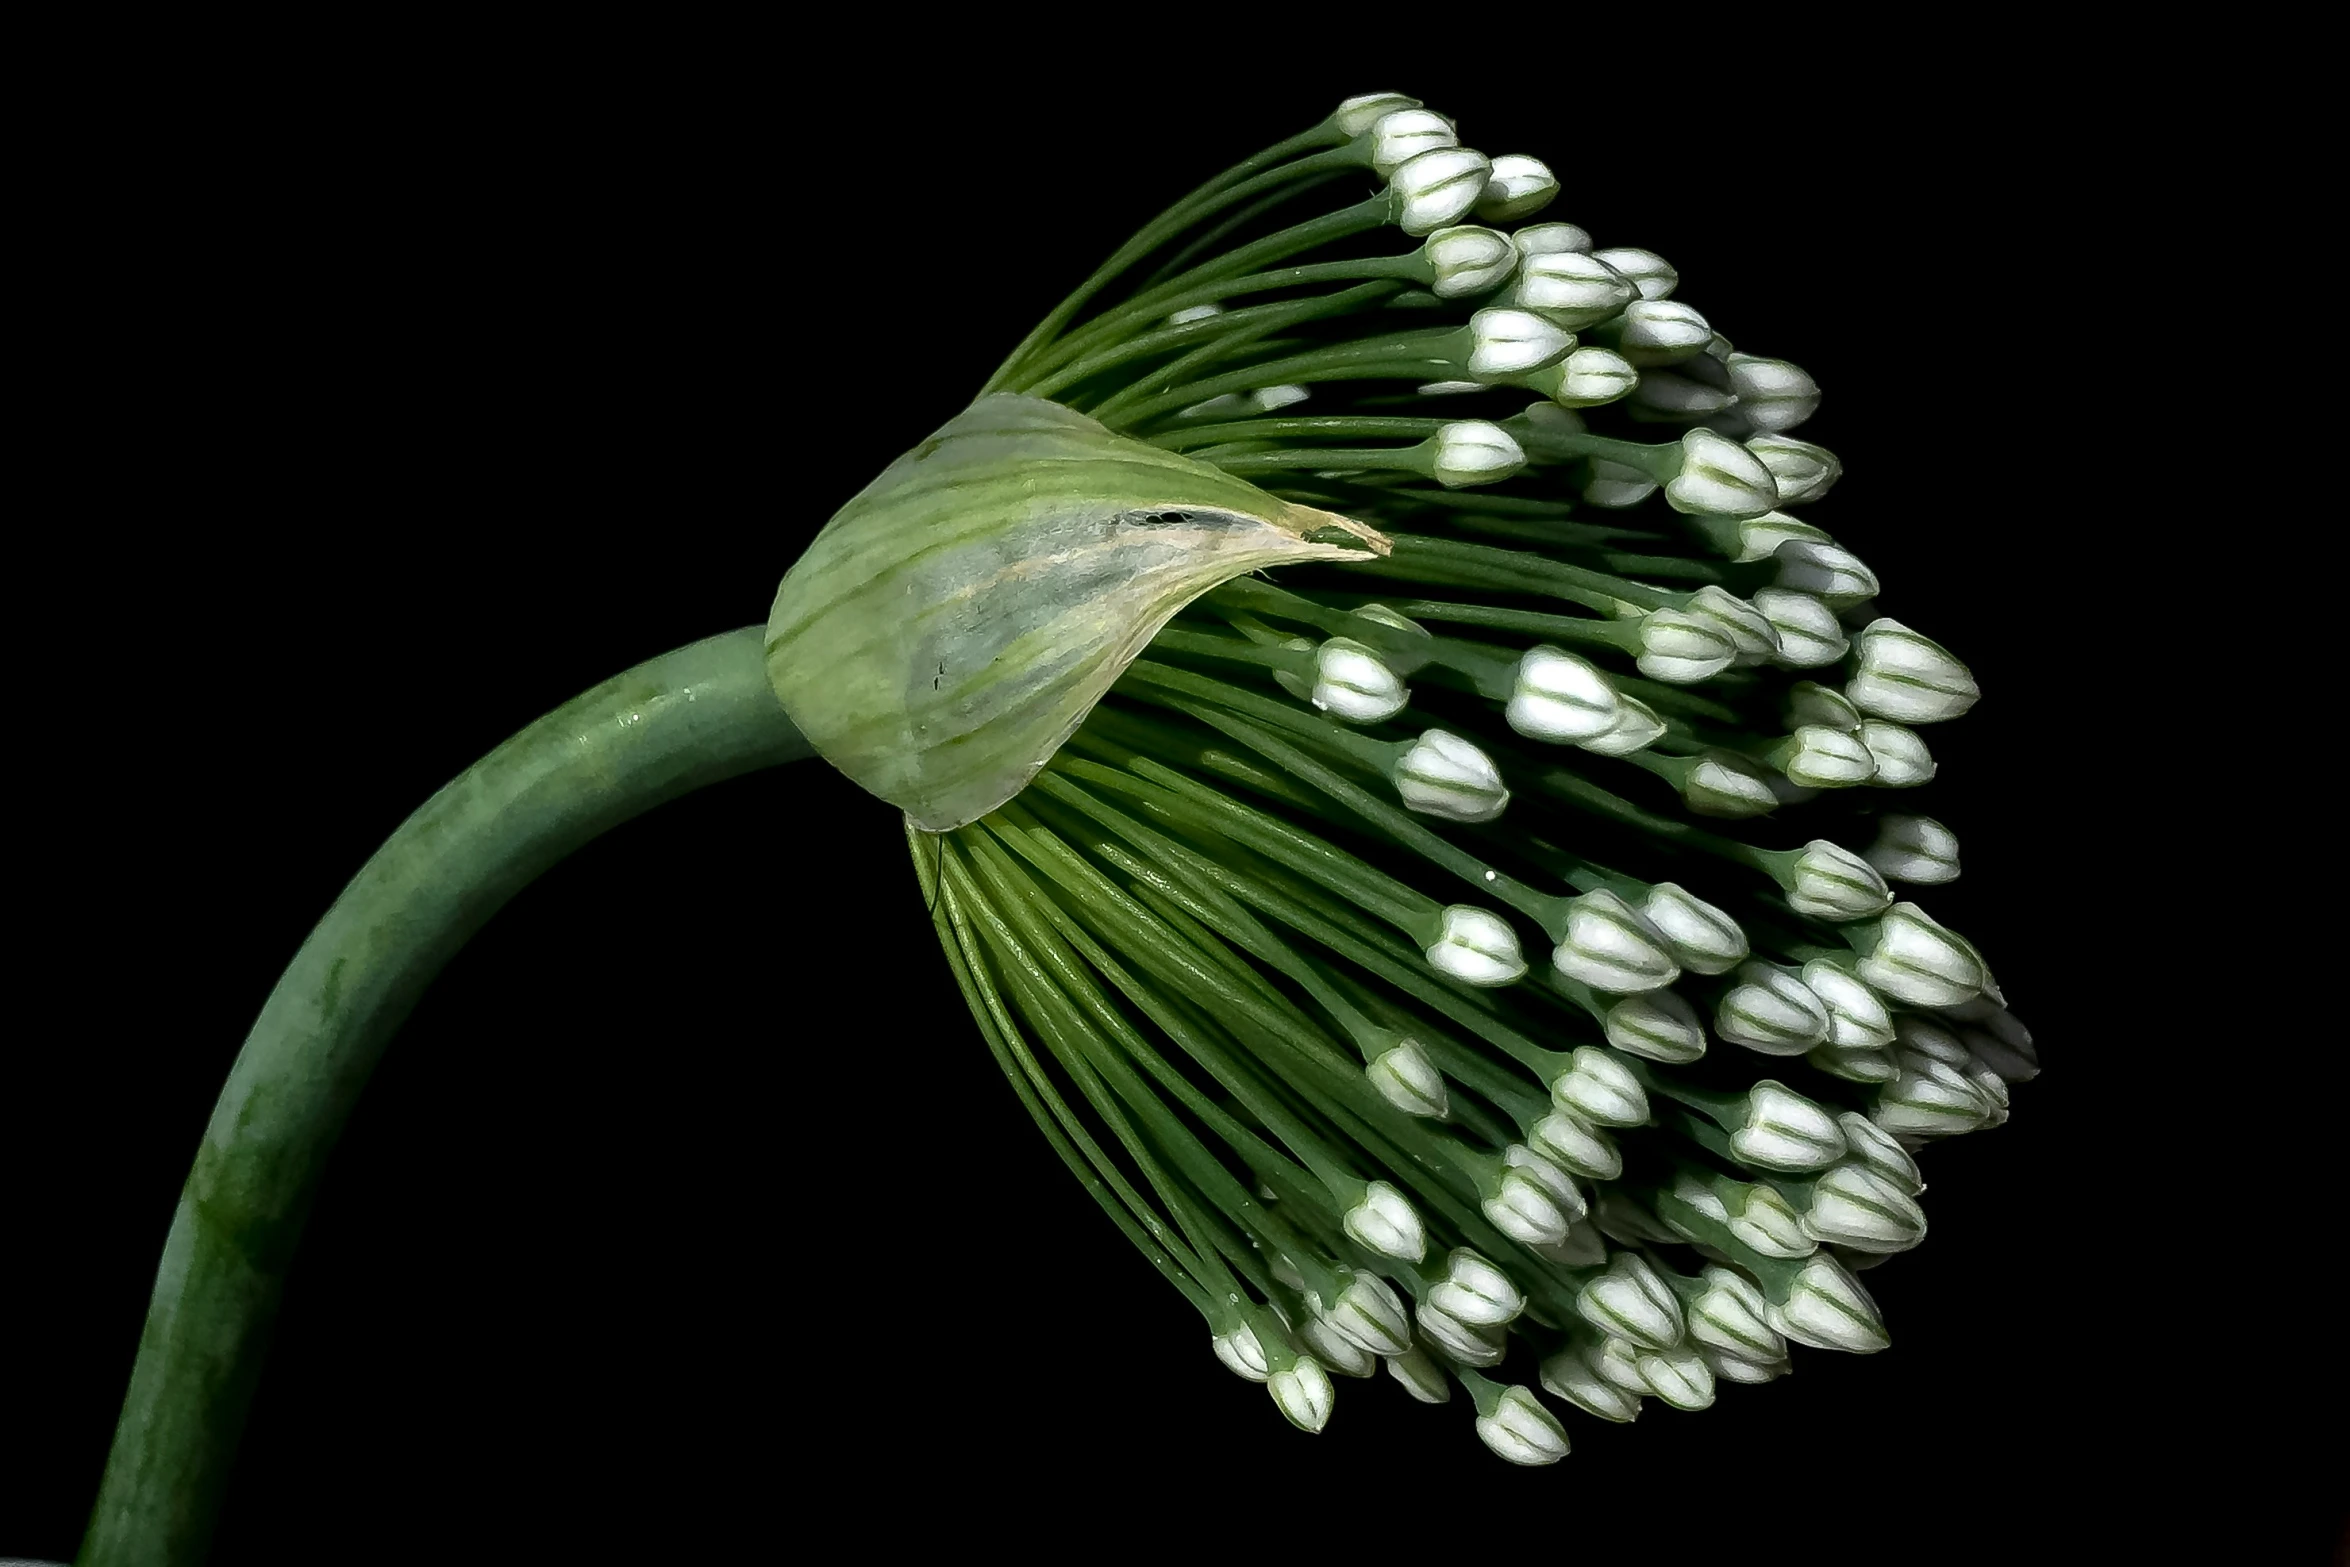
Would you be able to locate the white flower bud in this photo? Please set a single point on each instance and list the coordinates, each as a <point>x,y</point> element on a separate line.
<point>1548,239</point>
<point>1471,451</point>
<point>1918,961</point>
<point>1444,775</point>
<point>1335,1350</point>
<point>1612,484</point>
<point>1521,1431</point>
<point>1736,1368</point>
<point>1612,948</point>
<point>1898,752</point>
<point>1631,1302</point>
<point>1386,1223</point>
<point>1857,1019</point>
<point>1357,115</point>
<point>1468,260</point>
<point>1720,478</point>
<point>1477,947</point>
<point>1659,331</point>
<point>1906,678</point>
<point>1670,396</point>
<point>1561,698</point>
<point>1680,1377</point>
<point>1285,1270</point>
<point>1637,727</point>
<point>1504,341</point>
<point>1370,1314</point>
<point>1931,1099</point>
<point>1241,1353</point>
<point>1272,399</point>
<point>1749,631</point>
<point>1380,614</point>
<point>1827,758</point>
<point>1303,1393</point>
<point>1731,1316</point>
<point>1679,647</point>
<point>1589,377</point>
<point>1536,1202</point>
<point>1809,636</point>
<point>1804,472</point>
<point>1600,1089</point>
<point>1824,570</point>
<point>1835,884</point>
<point>1450,388</point>
<point>1773,394</point>
<point>1855,1064</point>
<point>1885,1158</point>
<point>1436,189</point>
<point>1809,702</point>
<point>1572,289</point>
<point>1517,187</point>
<point>1574,1376</point>
<point>1420,1375</point>
<point>1771,1011</point>
<point>1829,1310</point>
<point>1584,1247</point>
<point>1470,1345</point>
<point>1785,1131</point>
<point>1759,538</point>
<point>1352,682</point>
<point>1401,135</point>
<point>1476,1292</point>
<point>1853,1206</point>
<point>1191,313</point>
<point>1658,1026</point>
<point>1576,1146</point>
<point>1724,783</point>
<point>1920,1036</point>
<point>1703,938</point>
<point>1408,1080</point>
<point>1769,1226</point>
<point>1915,849</point>
<point>1649,272</point>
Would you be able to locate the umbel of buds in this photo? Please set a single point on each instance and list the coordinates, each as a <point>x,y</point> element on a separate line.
<point>1367,868</point>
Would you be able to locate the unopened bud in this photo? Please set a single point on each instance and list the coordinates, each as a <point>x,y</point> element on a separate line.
<point>1303,1393</point>
<point>1679,1377</point>
<point>1469,1345</point>
<point>1241,1353</point>
<point>1631,1302</point>
<point>1804,472</point>
<point>1574,1375</point>
<point>1853,1206</point>
<point>1808,633</point>
<point>1759,538</point>
<point>1732,1316</point>
<point>1521,1431</point>
<point>1470,452</point>
<point>1736,1368</point>
<point>1613,484</point>
<point>1572,289</point>
<point>1824,758</point>
<point>1919,961</point>
<point>1907,678</point>
<point>1773,394</point>
<point>1723,783</point>
<point>1659,332</point>
<point>1832,883</point>
<point>1915,849</point>
<point>1663,394</point>
<point>1335,1350</point>
<point>1809,702</point>
<point>1719,477</point>
<point>1658,1026</point>
<point>1785,1131</point>
<point>1371,1314</point>
<point>1517,186</point>
<point>1548,239</point>
<point>1682,649</point>
<point>1829,1310</point>
<point>1466,261</point>
<point>1444,775</point>
<point>1476,947</point>
<point>1358,114</point>
<point>1576,1146</point>
<point>1648,271</point>
<point>1824,570</point>
<point>1507,342</point>
<point>1536,1202</point>
<point>1401,135</point>
<point>1386,1223</point>
<point>1352,682</point>
<point>1408,1080</point>
<point>1436,188</point>
<point>1600,1089</point>
<point>1587,378</point>
<point>1750,633</point>
<point>1771,1011</point>
<point>1876,1148</point>
<point>1474,1291</point>
<point>1560,698</point>
<point>1612,948</point>
<point>1703,939</point>
<point>1857,1019</point>
<point>1636,728</point>
<point>1900,754</point>
<point>1420,1375</point>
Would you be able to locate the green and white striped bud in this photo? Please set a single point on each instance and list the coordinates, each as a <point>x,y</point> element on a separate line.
<point>1682,649</point>
<point>1358,114</point>
<point>1599,1088</point>
<point>1907,678</point>
<point>1474,1291</point>
<point>1824,758</point>
<point>1857,1019</point>
<point>1771,1011</point>
<point>1772,394</point>
<point>1370,1314</point>
<point>1509,342</point>
<point>1725,784</point>
<point>1420,1375</point>
<point>1614,485</point>
<point>1719,477</point>
<point>1241,1354</point>
<point>1548,239</point>
<point>1828,1309</point>
<point>1464,261</point>
<point>1659,331</point>
<point>1663,394</point>
<point>1588,377</point>
<point>1732,1316</point>
<point>1402,134</point>
<point>1915,849</point>
<point>1572,289</point>
<point>1759,538</point>
<point>1808,632</point>
<point>1573,1375</point>
<point>1303,1394</point>
<point>1352,682</point>
<point>1759,1217</point>
<point>1561,698</point>
<point>1476,947</point>
<point>1703,939</point>
<point>1679,1377</point>
<point>1436,189</point>
<point>1658,1026</point>
<point>1408,1080</point>
<point>1854,1206</point>
<point>1191,313</point>
<point>1916,959</point>
<point>1648,272</point>
<point>1825,571</point>
<point>1632,1303</point>
<point>1385,1222</point>
<point>1576,1146</point>
<point>1804,472</point>
<point>1833,883</point>
<point>1521,1431</point>
<point>1736,1368</point>
<point>1931,1099</point>
<point>1870,1064</point>
<point>1809,702</point>
<point>1871,1145</point>
<point>1612,948</point>
<point>1750,634</point>
<point>1899,753</point>
<point>1584,1247</point>
<point>1461,1341</point>
<point>1444,775</point>
<point>1536,1202</point>
<point>1470,452</point>
<point>1636,728</point>
<point>1785,1131</point>
<point>1518,187</point>
<point>1335,1350</point>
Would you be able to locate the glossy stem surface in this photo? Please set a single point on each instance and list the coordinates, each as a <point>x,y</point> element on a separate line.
<point>693,717</point>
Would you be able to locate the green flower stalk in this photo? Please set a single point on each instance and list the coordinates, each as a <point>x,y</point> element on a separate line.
<point>1390,777</point>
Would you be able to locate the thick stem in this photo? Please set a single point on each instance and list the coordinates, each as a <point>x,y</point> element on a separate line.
<point>667,727</point>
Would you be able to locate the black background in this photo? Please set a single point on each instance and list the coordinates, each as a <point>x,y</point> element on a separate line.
<point>688,1214</point>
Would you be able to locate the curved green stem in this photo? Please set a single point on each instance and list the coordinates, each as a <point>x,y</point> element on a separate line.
<point>669,726</point>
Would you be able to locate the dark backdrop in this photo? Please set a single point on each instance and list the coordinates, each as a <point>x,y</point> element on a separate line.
<point>689,1214</point>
